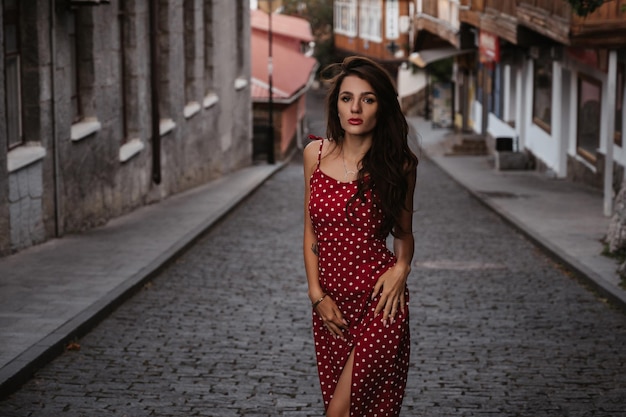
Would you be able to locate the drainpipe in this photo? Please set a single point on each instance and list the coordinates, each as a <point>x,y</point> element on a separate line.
<point>270,71</point>
<point>154,91</point>
<point>54,142</point>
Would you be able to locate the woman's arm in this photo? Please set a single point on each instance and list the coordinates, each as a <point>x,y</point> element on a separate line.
<point>394,280</point>
<point>327,308</point>
<point>309,246</point>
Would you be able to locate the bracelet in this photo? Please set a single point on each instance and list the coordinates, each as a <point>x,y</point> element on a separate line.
<point>315,304</point>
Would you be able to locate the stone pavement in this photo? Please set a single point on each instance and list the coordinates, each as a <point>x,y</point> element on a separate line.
<point>563,217</point>
<point>497,327</point>
<point>55,292</point>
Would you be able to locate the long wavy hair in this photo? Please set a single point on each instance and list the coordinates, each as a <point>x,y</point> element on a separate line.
<point>389,161</point>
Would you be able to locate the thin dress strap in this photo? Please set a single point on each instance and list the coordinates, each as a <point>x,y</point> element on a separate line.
<point>319,154</point>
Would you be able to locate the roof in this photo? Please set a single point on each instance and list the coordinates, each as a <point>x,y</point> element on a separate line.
<point>290,26</point>
<point>292,73</point>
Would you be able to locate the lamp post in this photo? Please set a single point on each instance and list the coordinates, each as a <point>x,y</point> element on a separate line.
<point>270,70</point>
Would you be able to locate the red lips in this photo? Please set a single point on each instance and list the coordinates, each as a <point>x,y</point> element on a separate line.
<point>355,121</point>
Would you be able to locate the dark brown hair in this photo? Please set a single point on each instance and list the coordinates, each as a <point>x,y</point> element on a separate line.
<point>389,161</point>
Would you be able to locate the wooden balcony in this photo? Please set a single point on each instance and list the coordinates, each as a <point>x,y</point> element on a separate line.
<point>442,18</point>
<point>500,17</point>
<point>604,28</point>
<point>472,11</point>
<point>527,22</point>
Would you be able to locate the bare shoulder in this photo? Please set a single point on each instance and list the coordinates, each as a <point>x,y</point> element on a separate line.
<point>309,156</point>
<point>312,149</point>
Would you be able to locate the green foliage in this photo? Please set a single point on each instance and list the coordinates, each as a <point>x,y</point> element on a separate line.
<point>319,13</point>
<point>441,70</point>
<point>584,7</point>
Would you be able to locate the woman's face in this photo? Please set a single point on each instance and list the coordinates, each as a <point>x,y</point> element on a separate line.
<point>357,106</point>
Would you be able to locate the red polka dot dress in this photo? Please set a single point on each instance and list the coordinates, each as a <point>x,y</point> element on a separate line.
<point>351,259</point>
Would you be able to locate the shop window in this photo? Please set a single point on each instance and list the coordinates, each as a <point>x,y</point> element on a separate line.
<point>619,103</point>
<point>497,92</point>
<point>542,94</point>
<point>588,133</point>
<point>12,73</point>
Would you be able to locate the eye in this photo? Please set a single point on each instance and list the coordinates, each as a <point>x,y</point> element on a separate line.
<point>369,100</point>
<point>345,99</point>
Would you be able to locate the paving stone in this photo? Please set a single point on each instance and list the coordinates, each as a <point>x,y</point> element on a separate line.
<point>498,329</point>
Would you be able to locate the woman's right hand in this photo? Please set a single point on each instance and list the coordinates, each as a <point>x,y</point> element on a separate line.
<point>332,317</point>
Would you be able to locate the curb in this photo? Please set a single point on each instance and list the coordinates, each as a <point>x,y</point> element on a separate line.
<point>603,288</point>
<point>22,368</point>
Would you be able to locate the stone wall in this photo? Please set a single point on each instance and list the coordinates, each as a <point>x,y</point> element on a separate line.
<point>81,180</point>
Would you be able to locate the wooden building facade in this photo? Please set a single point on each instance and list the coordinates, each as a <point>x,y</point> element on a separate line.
<point>536,72</point>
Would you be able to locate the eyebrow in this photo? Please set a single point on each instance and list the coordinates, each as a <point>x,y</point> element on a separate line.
<point>362,94</point>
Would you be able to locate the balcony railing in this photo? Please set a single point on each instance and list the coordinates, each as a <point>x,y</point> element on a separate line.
<point>554,18</point>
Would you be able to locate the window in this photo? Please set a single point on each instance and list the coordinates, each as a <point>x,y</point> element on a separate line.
<point>12,73</point>
<point>123,73</point>
<point>345,17</point>
<point>619,103</point>
<point>392,19</point>
<point>370,20</point>
<point>542,94</point>
<point>191,26</point>
<point>74,83</point>
<point>588,136</point>
<point>208,48</point>
<point>240,34</point>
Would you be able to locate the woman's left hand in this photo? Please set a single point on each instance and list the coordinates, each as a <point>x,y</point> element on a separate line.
<point>391,287</point>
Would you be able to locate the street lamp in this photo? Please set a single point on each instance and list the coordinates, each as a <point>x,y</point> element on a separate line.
<point>270,70</point>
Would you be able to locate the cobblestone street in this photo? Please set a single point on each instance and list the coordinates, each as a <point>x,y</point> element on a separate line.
<point>498,329</point>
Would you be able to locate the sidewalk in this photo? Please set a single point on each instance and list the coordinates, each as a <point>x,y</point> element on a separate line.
<point>53,293</point>
<point>564,218</point>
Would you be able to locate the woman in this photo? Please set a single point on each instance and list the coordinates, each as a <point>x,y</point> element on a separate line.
<point>359,186</point>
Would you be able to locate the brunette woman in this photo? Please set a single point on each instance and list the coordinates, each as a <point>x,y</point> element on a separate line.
<point>359,185</point>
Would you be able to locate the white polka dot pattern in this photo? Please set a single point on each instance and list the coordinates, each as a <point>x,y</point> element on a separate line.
<point>351,258</point>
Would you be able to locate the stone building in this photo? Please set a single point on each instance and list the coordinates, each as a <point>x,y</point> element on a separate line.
<point>110,105</point>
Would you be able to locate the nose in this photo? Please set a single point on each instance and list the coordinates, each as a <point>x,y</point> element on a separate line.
<point>356,106</point>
